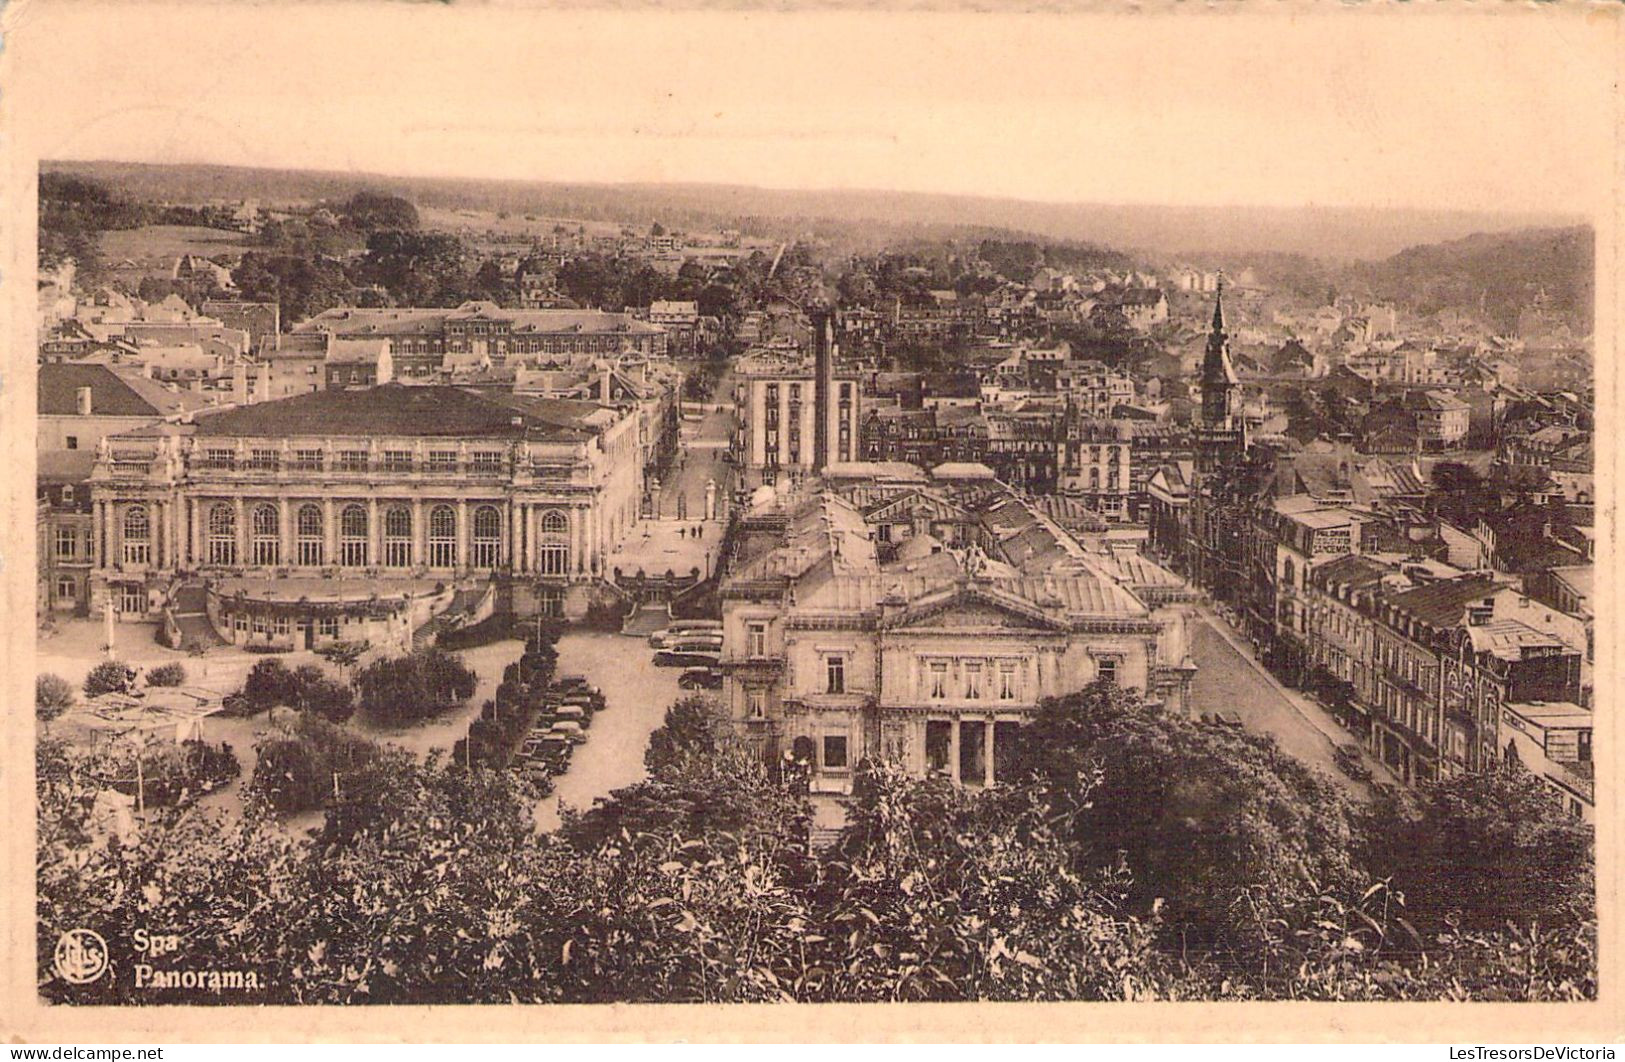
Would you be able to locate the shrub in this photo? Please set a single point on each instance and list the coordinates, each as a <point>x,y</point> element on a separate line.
<point>607,615</point>
<point>53,695</point>
<point>167,675</point>
<point>496,627</point>
<point>172,774</point>
<point>110,676</point>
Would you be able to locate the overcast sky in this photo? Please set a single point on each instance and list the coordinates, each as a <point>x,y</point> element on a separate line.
<point>1339,108</point>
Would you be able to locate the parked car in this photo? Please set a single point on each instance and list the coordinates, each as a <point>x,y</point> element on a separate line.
<point>569,731</point>
<point>700,678</point>
<point>1230,719</point>
<point>679,629</point>
<point>566,684</point>
<point>572,713</point>
<point>554,751</point>
<point>674,658</point>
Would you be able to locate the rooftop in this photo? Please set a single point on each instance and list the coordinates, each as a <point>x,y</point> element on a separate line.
<point>112,394</point>
<point>394,409</point>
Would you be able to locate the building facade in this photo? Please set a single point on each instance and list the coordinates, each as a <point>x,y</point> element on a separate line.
<point>436,484</point>
<point>796,415</point>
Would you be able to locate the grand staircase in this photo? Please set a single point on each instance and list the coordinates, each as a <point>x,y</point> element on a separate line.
<point>188,608</point>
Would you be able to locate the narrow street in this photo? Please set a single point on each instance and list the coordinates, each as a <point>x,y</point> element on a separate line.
<point>637,694</point>
<point>1229,679</point>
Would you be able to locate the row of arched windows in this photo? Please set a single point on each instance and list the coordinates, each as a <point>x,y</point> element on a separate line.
<point>354,539</point>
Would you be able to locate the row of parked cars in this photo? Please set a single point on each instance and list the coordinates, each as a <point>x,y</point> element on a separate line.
<point>566,713</point>
<point>696,647</point>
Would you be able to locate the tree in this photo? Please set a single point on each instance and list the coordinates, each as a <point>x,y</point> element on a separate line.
<point>343,655</point>
<point>270,683</point>
<point>417,268</point>
<point>53,695</point>
<point>333,701</point>
<point>303,285</point>
<point>110,676</point>
<point>299,767</point>
<point>372,211</point>
<point>410,688</point>
<point>1221,831</point>
<point>1481,850</point>
<point>694,726</point>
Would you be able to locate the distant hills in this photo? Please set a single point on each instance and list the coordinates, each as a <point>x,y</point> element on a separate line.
<point>855,217</point>
<point>1496,275</point>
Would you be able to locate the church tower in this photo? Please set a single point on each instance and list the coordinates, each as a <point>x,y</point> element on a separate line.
<point>1219,381</point>
<point>1222,436</point>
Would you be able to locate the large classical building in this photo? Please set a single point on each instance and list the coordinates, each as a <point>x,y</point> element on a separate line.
<point>427,342</point>
<point>931,660</point>
<point>342,489</point>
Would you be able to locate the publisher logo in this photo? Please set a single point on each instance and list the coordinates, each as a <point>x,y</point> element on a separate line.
<point>81,956</point>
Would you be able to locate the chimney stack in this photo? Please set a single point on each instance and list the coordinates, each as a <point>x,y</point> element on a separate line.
<point>84,402</point>
<point>823,385</point>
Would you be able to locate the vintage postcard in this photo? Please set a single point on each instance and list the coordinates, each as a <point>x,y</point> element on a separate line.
<point>514,510</point>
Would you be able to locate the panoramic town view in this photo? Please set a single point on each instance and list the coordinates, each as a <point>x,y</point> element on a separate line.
<point>459,592</point>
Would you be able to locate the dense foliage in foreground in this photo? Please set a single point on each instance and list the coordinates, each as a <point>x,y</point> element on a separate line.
<point>1142,857</point>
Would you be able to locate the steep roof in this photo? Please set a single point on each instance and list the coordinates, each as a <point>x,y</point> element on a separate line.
<point>112,394</point>
<point>1442,604</point>
<point>394,409</point>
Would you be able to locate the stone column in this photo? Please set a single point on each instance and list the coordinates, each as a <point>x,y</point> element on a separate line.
<point>160,535</point>
<point>194,532</point>
<point>988,729</point>
<point>330,534</point>
<point>284,526</point>
<point>375,534</point>
<point>462,535</point>
<point>418,532</point>
<point>510,547</point>
<point>953,750</point>
<point>95,536</point>
<point>242,531</point>
<point>580,544</point>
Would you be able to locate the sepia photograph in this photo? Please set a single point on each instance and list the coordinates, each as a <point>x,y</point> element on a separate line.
<point>750,511</point>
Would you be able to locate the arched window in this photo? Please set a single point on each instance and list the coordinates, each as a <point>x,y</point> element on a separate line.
<point>222,534</point>
<point>312,542</point>
<point>137,535</point>
<point>353,537</point>
<point>267,526</point>
<point>554,545</point>
<point>398,537</point>
<point>442,537</point>
<point>487,549</point>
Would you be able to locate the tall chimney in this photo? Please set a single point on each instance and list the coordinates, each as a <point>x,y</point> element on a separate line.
<point>823,385</point>
<point>84,403</point>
